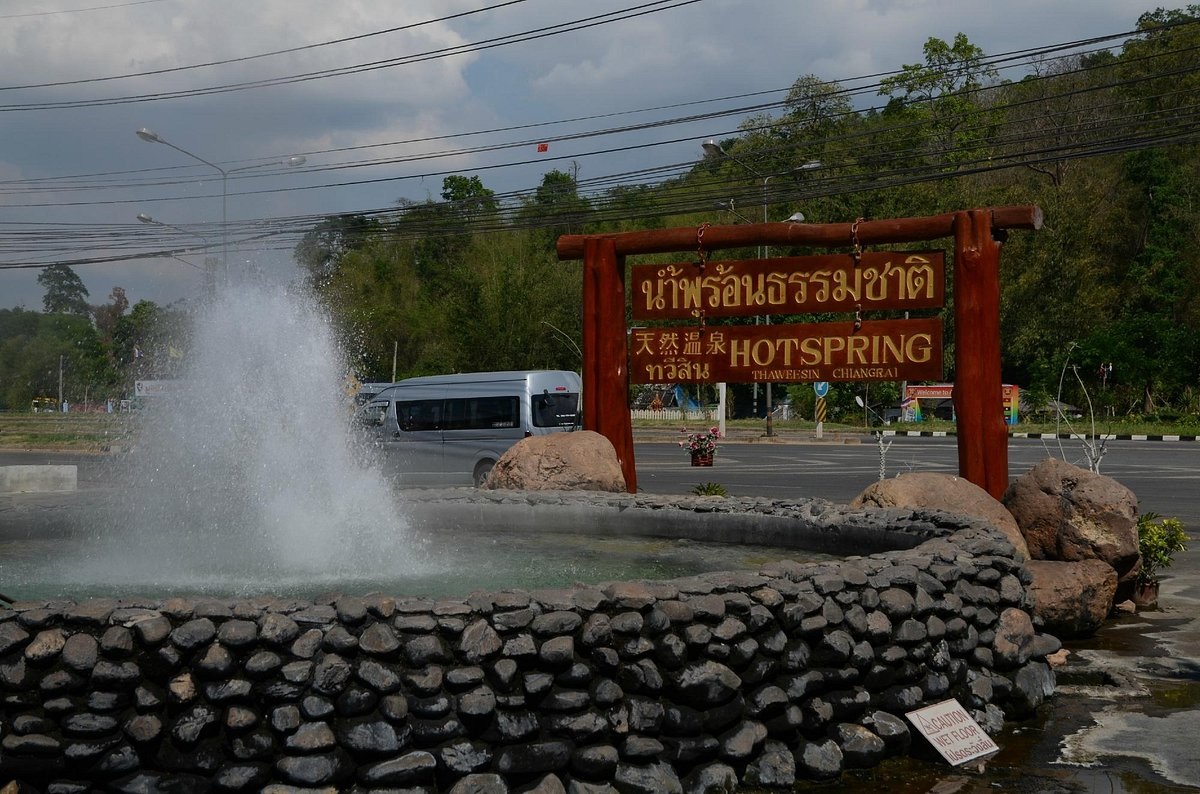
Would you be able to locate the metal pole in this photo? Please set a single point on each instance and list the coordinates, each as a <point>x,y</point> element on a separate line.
<point>225,224</point>
<point>763,255</point>
<point>153,137</point>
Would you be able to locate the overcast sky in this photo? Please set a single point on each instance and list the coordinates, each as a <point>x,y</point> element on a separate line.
<point>677,53</point>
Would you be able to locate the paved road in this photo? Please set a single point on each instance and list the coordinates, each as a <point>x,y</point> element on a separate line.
<point>1165,475</point>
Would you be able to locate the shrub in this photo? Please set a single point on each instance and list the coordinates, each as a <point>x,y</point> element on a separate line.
<point>1158,541</point>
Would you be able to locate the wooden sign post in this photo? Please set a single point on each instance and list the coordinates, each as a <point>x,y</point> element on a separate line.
<point>861,350</point>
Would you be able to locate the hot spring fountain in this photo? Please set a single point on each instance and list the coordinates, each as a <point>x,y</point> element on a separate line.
<point>245,494</point>
<point>246,479</point>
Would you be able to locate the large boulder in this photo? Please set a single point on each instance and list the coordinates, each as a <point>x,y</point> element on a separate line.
<point>582,460</point>
<point>942,492</point>
<point>1071,514</point>
<point>1072,598</point>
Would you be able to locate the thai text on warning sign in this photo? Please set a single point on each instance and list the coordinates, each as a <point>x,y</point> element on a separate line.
<point>952,732</point>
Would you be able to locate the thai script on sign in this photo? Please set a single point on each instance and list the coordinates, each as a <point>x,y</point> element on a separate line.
<point>801,352</point>
<point>789,285</point>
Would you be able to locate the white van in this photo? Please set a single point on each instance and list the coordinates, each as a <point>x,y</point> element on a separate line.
<point>451,429</point>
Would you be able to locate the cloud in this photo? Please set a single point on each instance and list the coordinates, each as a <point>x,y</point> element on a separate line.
<point>692,53</point>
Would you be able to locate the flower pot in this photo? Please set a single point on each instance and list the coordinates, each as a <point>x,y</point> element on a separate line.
<point>1145,595</point>
<point>702,460</point>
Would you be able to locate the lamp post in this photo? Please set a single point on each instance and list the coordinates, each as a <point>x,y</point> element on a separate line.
<point>144,218</point>
<point>153,137</point>
<point>727,206</point>
<point>209,268</point>
<point>715,149</point>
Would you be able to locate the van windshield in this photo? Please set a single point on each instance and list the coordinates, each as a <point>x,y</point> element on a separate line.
<point>371,415</point>
<point>560,409</point>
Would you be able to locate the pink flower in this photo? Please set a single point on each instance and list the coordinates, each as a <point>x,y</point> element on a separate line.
<point>701,443</point>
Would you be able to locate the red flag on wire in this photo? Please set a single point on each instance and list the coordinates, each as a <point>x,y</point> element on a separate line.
<point>543,147</point>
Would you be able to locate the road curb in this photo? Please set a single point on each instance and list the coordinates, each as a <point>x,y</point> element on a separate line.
<point>1065,436</point>
<point>655,436</point>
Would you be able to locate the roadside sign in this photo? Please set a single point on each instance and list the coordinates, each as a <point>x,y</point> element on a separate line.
<point>821,387</point>
<point>952,732</point>
<point>156,388</point>
<point>790,285</point>
<point>789,353</point>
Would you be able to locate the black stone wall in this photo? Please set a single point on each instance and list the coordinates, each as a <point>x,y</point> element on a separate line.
<point>793,671</point>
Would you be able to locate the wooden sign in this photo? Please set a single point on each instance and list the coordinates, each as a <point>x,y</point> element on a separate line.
<point>952,732</point>
<point>790,285</point>
<point>878,350</point>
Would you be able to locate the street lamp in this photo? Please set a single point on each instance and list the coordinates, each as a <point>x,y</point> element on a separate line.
<point>728,207</point>
<point>716,150</point>
<point>144,218</point>
<point>209,274</point>
<point>153,137</point>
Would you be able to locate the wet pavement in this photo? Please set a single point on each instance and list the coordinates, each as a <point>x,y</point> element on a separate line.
<point>1125,718</point>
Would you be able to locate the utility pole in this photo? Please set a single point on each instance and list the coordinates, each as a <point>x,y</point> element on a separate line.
<point>395,352</point>
<point>60,367</point>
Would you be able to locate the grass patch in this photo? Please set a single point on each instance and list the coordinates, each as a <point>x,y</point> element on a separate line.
<point>76,432</point>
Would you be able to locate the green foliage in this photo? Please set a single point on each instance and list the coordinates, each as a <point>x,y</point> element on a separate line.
<point>96,360</point>
<point>65,293</point>
<point>710,489</point>
<point>443,298</point>
<point>942,97</point>
<point>31,359</point>
<point>1159,540</point>
<point>321,250</point>
<point>470,199</point>
<point>472,281</point>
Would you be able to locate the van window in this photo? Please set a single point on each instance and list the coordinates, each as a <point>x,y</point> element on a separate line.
<point>417,415</point>
<point>560,409</point>
<point>482,413</point>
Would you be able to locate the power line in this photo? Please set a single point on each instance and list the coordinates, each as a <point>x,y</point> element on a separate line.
<point>1117,133</point>
<point>584,23</point>
<point>78,10</point>
<point>1003,57</point>
<point>259,56</point>
<point>541,159</point>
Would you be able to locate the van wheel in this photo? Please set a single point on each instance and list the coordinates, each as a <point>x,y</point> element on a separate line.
<point>482,470</point>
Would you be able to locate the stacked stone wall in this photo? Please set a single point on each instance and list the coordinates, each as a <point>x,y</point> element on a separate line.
<point>746,677</point>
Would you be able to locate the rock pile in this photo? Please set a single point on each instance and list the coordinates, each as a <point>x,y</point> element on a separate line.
<point>1078,528</point>
<point>1081,528</point>
<point>697,684</point>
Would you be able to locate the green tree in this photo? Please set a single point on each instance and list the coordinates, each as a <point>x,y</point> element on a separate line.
<point>486,328</point>
<point>941,98</point>
<point>556,207</point>
<point>65,293</point>
<point>321,249</point>
<point>30,361</point>
<point>1154,340</point>
<point>469,199</point>
<point>107,314</point>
